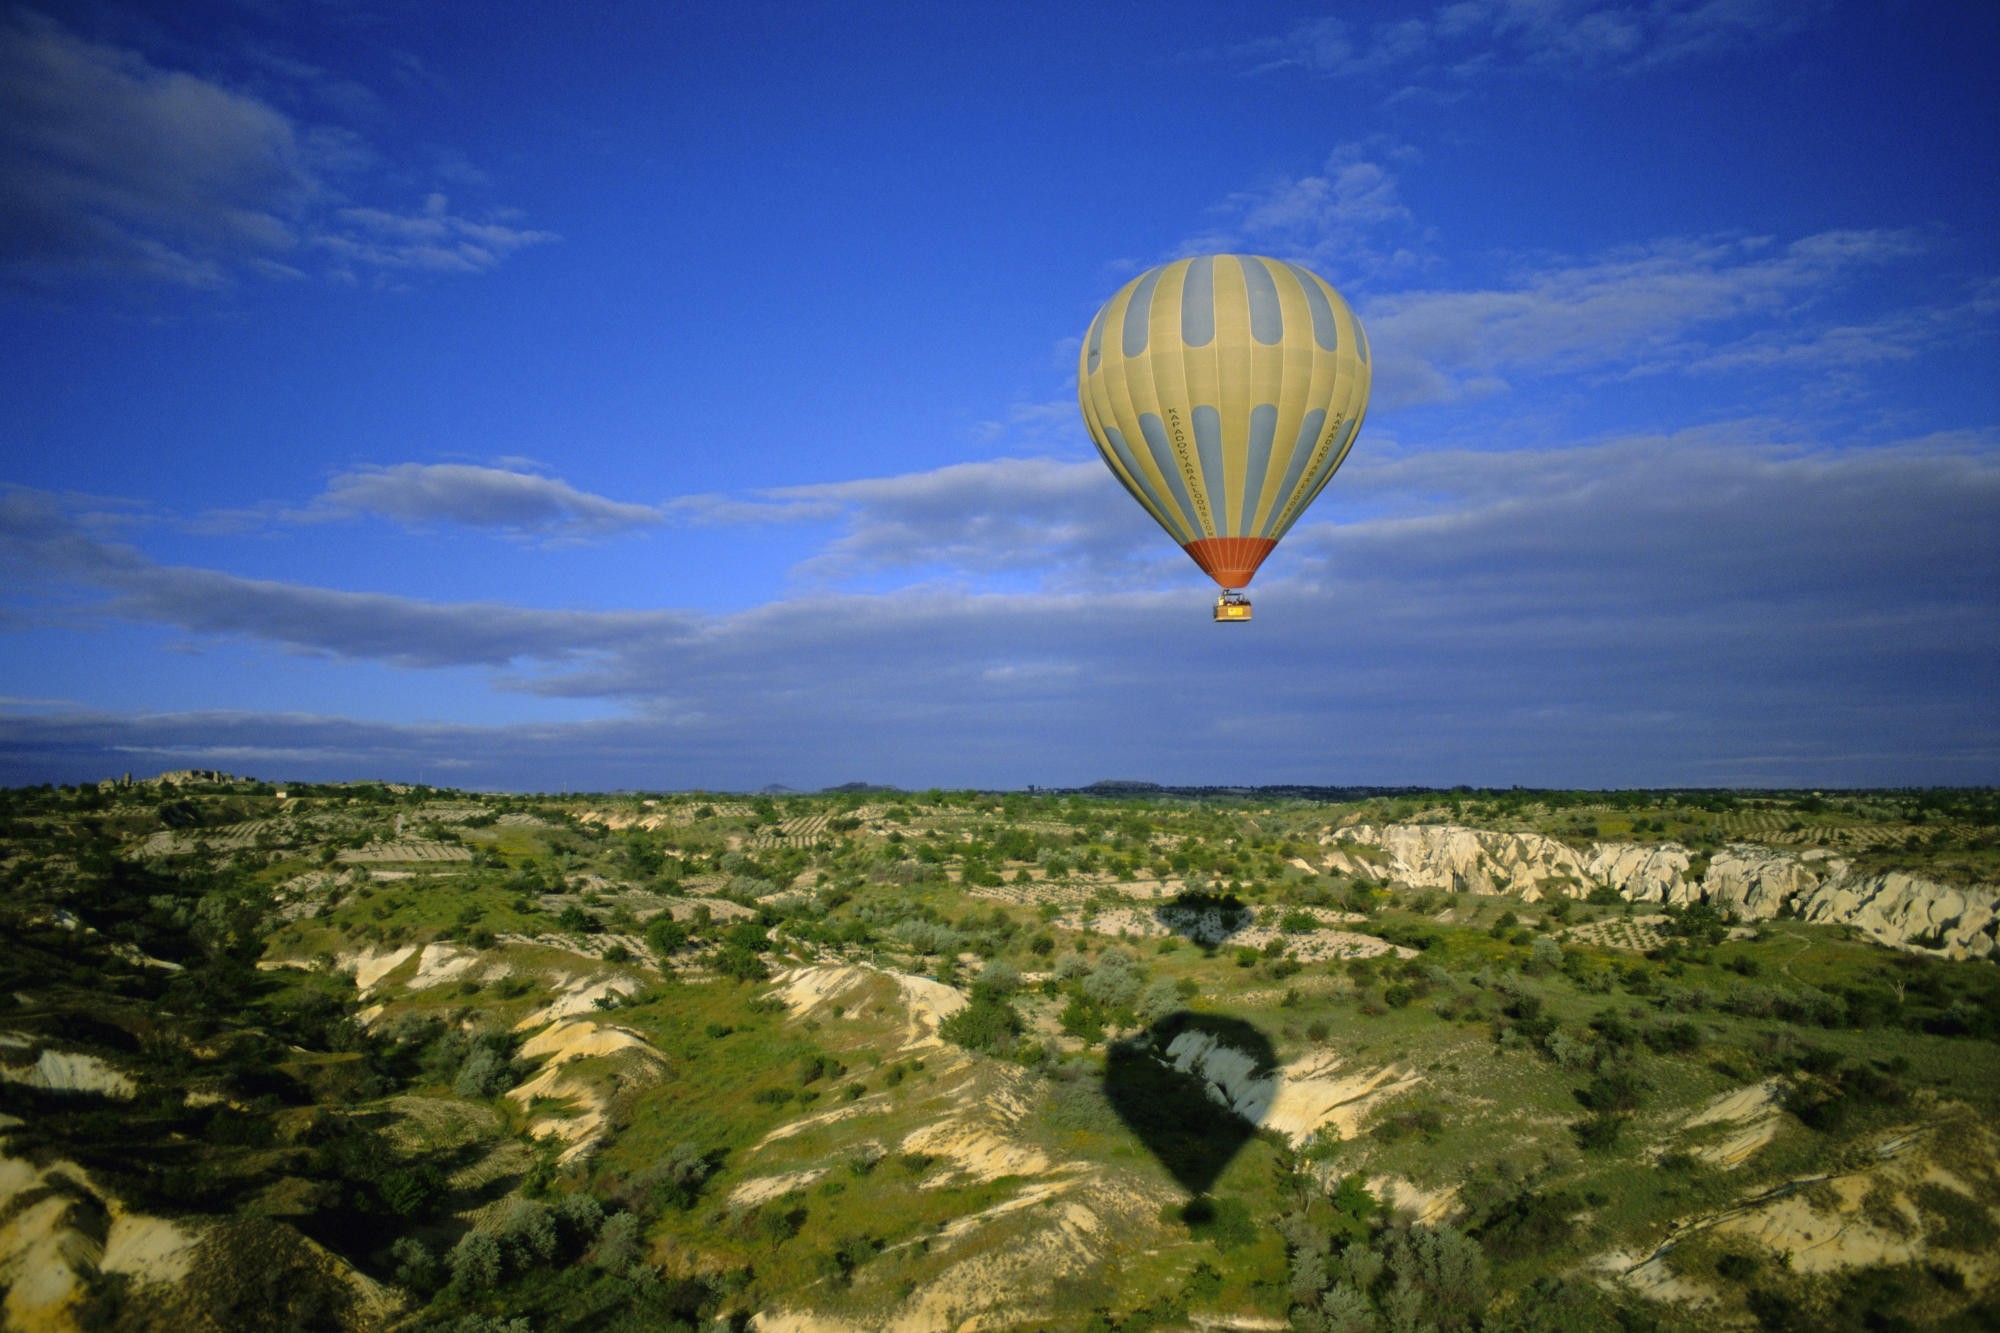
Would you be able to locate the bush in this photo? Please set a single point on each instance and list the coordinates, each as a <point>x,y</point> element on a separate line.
<point>476,1261</point>
<point>1954,1221</point>
<point>1072,967</point>
<point>1439,1276</point>
<point>1681,1036</point>
<point>1613,1090</point>
<point>741,964</point>
<point>1600,1132</point>
<point>1114,983</point>
<point>665,936</point>
<point>1613,1029</point>
<point>527,1231</point>
<point>1080,1018</point>
<point>1544,955</point>
<point>998,978</point>
<point>1529,1222</point>
<point>618,1244</point>
<point>927,937</point>
<point>415,1266</point>
<point>989,1023</point>
<point>848,1254</point>
<point>1158,1000</point>
<point>488,1069</point>
<point>675,1183</point>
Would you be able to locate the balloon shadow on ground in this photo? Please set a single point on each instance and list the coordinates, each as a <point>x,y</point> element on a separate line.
<point>1206,918</point>
<point>1171,1111</point>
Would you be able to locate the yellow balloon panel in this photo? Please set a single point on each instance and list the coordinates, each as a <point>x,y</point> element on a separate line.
<point>1223,391</point>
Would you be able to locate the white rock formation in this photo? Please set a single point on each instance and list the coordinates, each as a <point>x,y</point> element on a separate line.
<point>1904,910</point>
<point>1754,881</point>
<point>71,1071</point>
<point>1448,856</point>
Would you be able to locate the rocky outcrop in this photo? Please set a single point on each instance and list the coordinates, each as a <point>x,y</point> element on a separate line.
<point>1756,882</point>
<point>1447,856</point>
<point>1907,911</point>
<point>70,1071</point>
<point>1655,871</point>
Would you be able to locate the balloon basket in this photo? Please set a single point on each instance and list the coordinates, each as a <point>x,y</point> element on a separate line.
<point>1231,606</point>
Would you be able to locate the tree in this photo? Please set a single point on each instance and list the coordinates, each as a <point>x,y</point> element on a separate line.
<point>739,964</point>
<point>1115,981</point>
<point>618,1246</point>
<point>476,1261</point>
<point>1158,1000</point>
<point>989,1023</point>
<point>1439,1276</point>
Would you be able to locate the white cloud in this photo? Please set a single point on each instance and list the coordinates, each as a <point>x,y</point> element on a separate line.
<point>114,168</point>
<point>431,238</point>
<point>1467,39</point>
<point>520,503</point>
<point>1061,524</point>
<point>1668,306</point>
<point>1347,218</point>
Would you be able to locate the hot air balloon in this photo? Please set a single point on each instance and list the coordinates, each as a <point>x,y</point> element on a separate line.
<point>1222,392</point>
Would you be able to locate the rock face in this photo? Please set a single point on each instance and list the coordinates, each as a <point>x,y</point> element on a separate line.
<point>69,1071</point>
<point>1446,856</point>
<point>1756,882</point>
<point>1907,911</point>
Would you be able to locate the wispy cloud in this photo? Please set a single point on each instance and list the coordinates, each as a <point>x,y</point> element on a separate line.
<point>1673,305</point>
<point>1058,524</point>
<point>113,168</point>
<point>1348,217</point>
<point>41,545</point>
<point>1057,521</point>
<point>432,238</point>
<point>522,504</point>
<point>1465,39</point>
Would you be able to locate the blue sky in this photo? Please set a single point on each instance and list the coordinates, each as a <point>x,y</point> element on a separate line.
<point>683,396</point>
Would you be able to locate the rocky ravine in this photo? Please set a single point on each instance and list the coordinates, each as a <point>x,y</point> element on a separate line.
<point>1757,882</point>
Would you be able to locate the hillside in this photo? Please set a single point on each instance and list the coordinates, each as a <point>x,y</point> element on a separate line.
<point>377,1056</point>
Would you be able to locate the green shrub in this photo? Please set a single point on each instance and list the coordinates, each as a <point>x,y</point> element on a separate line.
<point>1600,1132</point>
<point>1954,1221</point>
<point>740,964</point>
<point>665,936</point>
<point>989,1023</point>
<point>1081,1018</point>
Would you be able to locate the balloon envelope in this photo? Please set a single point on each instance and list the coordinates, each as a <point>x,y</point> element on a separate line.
<point>1223,391</point>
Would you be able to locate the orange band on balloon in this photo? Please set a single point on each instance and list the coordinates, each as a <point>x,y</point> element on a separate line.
<point>1230,561</point>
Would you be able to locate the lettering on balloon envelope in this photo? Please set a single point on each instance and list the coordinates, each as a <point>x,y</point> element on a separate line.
<point>1178,1114</point>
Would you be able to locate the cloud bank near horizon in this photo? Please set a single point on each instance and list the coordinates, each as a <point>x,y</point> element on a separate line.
<point>1708,609</point>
